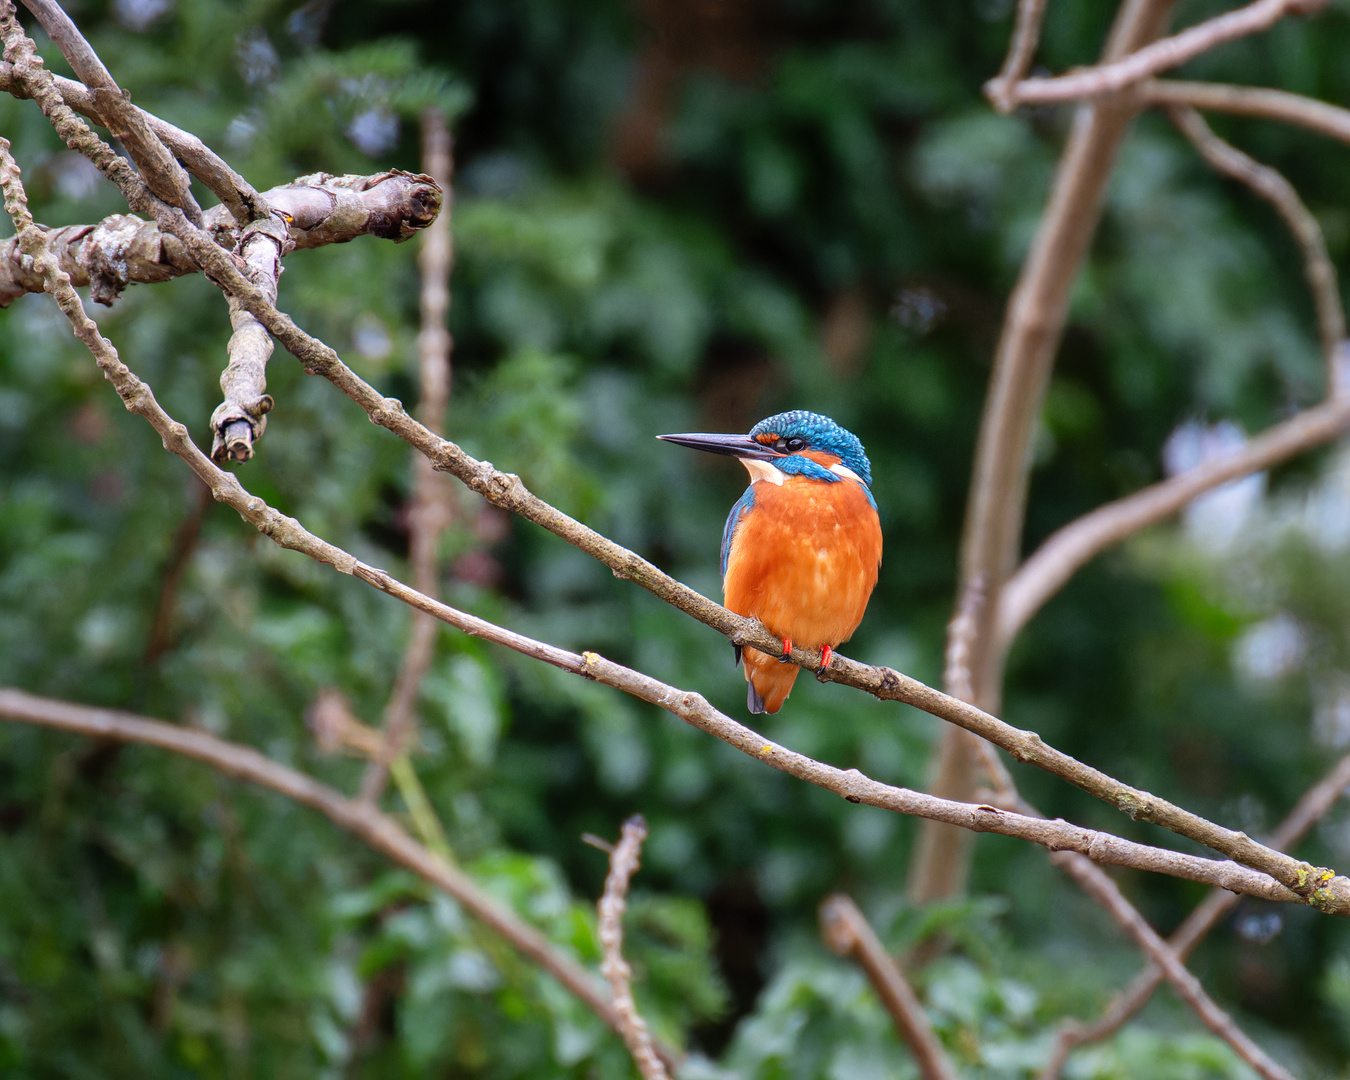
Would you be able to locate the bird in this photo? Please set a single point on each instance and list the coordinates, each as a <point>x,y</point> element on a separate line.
<point>801,549</point>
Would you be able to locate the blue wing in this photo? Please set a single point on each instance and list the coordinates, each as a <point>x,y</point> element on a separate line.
<point>743,506</point>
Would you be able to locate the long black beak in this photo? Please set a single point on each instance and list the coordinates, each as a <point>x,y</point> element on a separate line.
<point>738,446</point>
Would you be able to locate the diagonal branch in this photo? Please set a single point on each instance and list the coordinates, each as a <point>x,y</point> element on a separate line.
<point>1318,268</point>
<point>1065,551</point>
<point>1319,116</point>
<point>848,933</point>
<point>236,193</point>
<point>162,173</point>
<point>1108,894</point>
<point>1168,964</point>
<point>362,820</point>
<point>1170,52</point>
<point>1314,804</point>
<point>1318,886</point>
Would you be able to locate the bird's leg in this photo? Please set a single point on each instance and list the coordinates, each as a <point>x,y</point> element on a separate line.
<point>826,655</point>
<point>787,650</point>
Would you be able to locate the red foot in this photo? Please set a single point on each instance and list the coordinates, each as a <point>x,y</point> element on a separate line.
<point>787,650</point>
<point>826,655</point>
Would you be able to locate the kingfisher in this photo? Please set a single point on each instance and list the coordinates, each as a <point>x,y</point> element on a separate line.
<point>802,547</point>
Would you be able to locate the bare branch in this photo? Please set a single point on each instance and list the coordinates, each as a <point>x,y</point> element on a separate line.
<point>1107,893</point>
<point>161,172</point>
<point>1318,886</point>
<point>1319,116</point>
<point>1032,326</point>
<point>319,209</point>
<point>1140,64</point>
<point>367,823</point>
<point>1310,808</point>
<point>1065,551</point>
<point>1022,49</point>
<point>846,931</point>
<point>236,193</point>
<point>1318,268</point>
<point>623,864</point>
<point>431,507</point>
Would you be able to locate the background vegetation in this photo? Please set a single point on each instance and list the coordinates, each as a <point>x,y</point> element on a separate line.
<point>668,217</point>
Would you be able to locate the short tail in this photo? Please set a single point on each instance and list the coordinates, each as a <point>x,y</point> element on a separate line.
<point>770,682</point>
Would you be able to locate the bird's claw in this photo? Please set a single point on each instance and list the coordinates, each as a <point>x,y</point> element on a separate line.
<point>787,651</point>
<point>826,655</point>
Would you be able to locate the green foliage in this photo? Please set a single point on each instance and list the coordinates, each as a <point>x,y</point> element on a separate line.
<point>831,175</point>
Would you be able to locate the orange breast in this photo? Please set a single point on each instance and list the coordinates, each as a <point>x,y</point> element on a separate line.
<point>804,561</point>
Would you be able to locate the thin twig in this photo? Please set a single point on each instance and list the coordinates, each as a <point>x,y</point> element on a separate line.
<point>1171,52</point>
<point>1268,183</point>
<point>1314,804</point>
<point>1319,116</point>
<point>1021,51</point>
<point>846,931</point>
<point>1068,549</point>
<point>423,814</point>
<point>320,209</point>
<point>162,190</point>
<point>234,192</point>
<point>1318,886</point>
<point>430,510</point>
<point>159,168</point>
<point>1107,893</point>
<point>362,820</point>
<point>623,864</point>
<point>1032,324</point>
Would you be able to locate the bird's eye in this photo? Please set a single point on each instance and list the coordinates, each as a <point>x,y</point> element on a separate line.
<point>794,444</point>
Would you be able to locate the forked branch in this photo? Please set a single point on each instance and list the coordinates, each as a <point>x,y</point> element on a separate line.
<point>1319,886</point>
<point>1314,804</point>
<point>1170,52</point>
<point>1318,268</point>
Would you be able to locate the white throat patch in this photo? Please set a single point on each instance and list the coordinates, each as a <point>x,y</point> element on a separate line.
<point>766,470</point>
<point>763,470</point>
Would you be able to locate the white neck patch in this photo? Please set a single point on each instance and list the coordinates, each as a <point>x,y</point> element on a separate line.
<point>763,470</point>
<point>766,470</point>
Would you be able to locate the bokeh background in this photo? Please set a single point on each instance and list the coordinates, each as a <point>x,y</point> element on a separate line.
<point>668,216</point>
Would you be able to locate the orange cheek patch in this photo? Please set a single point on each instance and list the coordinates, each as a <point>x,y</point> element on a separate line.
<point>822,458</point>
